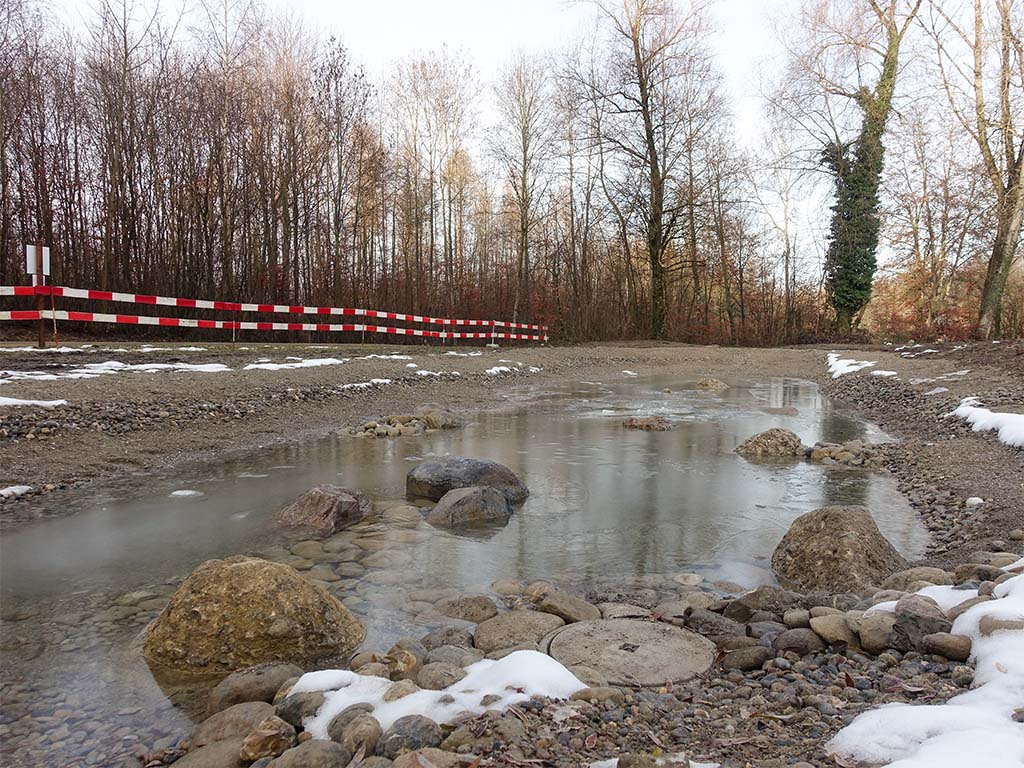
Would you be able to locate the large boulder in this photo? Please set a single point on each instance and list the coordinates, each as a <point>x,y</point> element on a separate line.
<point>325,510</point>
<point>470,506</point>
<point>241,611</point>
<point>432,479</point>
<point>775,442</point>
<point>836,549</point>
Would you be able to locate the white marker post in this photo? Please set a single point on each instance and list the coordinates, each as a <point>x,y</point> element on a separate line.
<point>37,264</point>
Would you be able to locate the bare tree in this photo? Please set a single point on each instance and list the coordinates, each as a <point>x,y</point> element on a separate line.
<point>522,143</point>
<point>655,47</point>
<point>996,129</point>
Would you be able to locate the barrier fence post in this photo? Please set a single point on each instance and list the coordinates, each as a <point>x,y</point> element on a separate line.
<point>39,294</point>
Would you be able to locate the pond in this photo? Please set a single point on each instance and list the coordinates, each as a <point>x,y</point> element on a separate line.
<point>610,510</point>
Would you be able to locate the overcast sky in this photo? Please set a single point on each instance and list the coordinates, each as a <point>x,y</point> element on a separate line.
<point>380,32</point>
<point>491,30</point>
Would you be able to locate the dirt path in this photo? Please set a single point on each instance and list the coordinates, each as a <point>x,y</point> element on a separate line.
<point>130,420</point>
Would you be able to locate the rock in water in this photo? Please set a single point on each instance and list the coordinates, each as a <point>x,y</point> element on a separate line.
<point>835,549</point>
<point>432,479</point>
<point>467,506</point>
<point>437,417</point>
<point>648,423</point>
<point>772,442</point>
<point>241,611</point>
<point>711,384</point>
<point>325,510</point>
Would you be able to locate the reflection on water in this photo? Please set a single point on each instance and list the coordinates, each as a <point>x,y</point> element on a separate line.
<point>608,506</point>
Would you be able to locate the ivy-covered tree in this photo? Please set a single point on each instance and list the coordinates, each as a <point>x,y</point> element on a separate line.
<point>857,167</point>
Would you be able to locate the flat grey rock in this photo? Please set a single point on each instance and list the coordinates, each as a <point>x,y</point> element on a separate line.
<point>633,652</point>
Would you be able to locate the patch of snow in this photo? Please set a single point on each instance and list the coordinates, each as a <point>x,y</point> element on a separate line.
<point>465,354</point>
<point>975,728</point>
<point>411,365</point>
<point>251,475</point>
<point>384,357</point>
<point>937,391</point>
<point>883,373</point>
<point>974,501</point>
<point>365,384</point>
<point>425,372</point>
<point>1009,427</point>
<point>193,367</point>
<point>185,493</point>
<point>15,402</point>
<point>955,374</point>
<point>92,370</point>
<point>838,366</point>
<point>631,373</point>
<point>498,370</point>
<point>315,362</point>
<point>59,350</point>
<point>679,760</point>
<point>147,348</point>
<point>12,491</point>
<point>515,678</point>
<point>535,369</point>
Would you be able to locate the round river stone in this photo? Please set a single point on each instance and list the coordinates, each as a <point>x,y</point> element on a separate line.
<point>632,652</point>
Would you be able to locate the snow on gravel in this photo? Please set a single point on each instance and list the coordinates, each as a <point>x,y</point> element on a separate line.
<point>185,493</point>
<point>884,373</point>
<point>297,362</point>
<point>14,402</point>
<point>147,348</point>
<point>838,366</point>
<point>678,759</point>
<point>1009,427</point>
<point>517,677</point>
<point>937,391</point>
<point>92,370</point>
<point>12,491</point>
<point>365,384</point>
<point>975,728</point>
<point>631,373</point>
<point>59,350</point>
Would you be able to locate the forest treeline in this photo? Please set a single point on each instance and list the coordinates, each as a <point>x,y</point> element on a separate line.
<point>599,189</point>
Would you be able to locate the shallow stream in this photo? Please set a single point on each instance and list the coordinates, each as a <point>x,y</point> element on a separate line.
<point>610,510</point>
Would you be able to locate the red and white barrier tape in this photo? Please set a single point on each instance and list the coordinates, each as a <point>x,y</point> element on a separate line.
<point>180,322</point>
<point>230,306</point>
